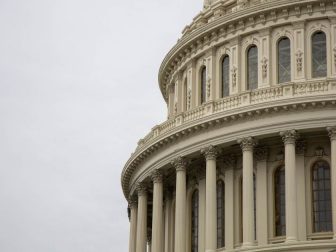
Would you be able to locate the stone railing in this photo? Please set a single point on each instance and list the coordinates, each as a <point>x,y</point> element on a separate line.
<point>245,99</point>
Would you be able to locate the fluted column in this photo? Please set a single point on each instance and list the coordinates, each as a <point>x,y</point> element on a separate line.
<point>141,240</point>
<point>247,144</point>
<point>332,135</point>
<point>180,205</point>
<point>157,227</point>
<point>289,137</point>
<point>210,154</point>
<point>133,204</point>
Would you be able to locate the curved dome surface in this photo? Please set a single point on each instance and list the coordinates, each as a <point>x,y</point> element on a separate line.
<point>246,160</point>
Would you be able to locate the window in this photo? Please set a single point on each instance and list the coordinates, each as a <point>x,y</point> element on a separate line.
<point>322,217</point>
<point>252,68</point>
<point>280,201</point>
<point>284,60</point>
<point>220,214</point>
<point>203,85</point>
<point>225,76</point>
<point>194,222</point>
<point>319,55</point>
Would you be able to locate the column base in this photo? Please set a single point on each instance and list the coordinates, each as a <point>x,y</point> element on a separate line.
<point>290,239</point>
<point>248,244</point>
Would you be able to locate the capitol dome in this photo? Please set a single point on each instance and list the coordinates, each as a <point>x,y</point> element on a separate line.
<point>246,160</point>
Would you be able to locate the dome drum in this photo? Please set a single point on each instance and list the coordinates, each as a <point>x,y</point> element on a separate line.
<point>246,160</point>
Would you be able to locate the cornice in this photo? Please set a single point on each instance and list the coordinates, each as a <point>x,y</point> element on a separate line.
<point>156,141</point>
<point>207,35</point>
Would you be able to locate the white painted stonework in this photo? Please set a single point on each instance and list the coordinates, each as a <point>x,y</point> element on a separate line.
<point>241,138</point>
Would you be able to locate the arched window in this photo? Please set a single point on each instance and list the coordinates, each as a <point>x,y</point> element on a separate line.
<point>203,85</point>
<point>185,93</point>
<point>225,76</point>
<point>220,214</point>
<point>252,68</point>
<point>284,60</point>
<point>322,217</point>
<point>319,54</point>
<point>194,222</point>
<point>279,201</point>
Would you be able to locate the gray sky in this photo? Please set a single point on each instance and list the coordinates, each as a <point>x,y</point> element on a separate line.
<point>78,88</point>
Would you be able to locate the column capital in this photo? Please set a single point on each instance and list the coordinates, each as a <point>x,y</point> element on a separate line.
<point>247,143</point>
<point>156,176</point>
<point>210,152</point>
<point>133,203</point>
<point>289,136</point>
<point>261,153</point>
<point>179,163</point>
<point>332,132</point>
<point>141,189</point>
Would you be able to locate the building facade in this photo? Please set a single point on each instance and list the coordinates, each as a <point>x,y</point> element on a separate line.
<point>246,160</point>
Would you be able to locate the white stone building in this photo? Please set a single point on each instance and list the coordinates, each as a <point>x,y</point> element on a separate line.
<point>246,160</point>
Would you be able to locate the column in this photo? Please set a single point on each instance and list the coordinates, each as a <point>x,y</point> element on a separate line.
<point>141,240</point>
<point>289,137</point>
<point>133,204</point>
<point>180,212</point>
<point>261,196</point>
<point>210,154</point>
<point>229,165</point>
<point>167,226</point>
<point>157,227</point>
<point>332,135</point>
<point>247,145</point>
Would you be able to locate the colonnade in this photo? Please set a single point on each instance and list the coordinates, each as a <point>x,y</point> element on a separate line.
<point>138,220</point>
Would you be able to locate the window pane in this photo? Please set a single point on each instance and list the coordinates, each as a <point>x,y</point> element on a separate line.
<point>280,204</point>
<point>321,197</point>
<point>252,68</point>
<point>225,76</point>
<point>220,214</point>
<point>203,85</point>
<point>319,55</point>
<point>194,222</point>
<point>284,60</point>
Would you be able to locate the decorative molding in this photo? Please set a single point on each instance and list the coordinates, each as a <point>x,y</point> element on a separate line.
<point>208,87</point>
<point>234,75</point>
<point>247,143</point>
<point>179,164</point>
<point>261,153</point>
<point>319,152</point>
<point>141,189</point>
<point>133,203</point>
<point>229,161</point>
<point>300,147</point>
<point>332,133</point>
<point>264,67</point>
<point>289,136</point>
<point>299,55</point>
<point>156,176</point>
<point>210,152</point>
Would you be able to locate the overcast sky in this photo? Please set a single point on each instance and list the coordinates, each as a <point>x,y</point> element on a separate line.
<point>78,89</point>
